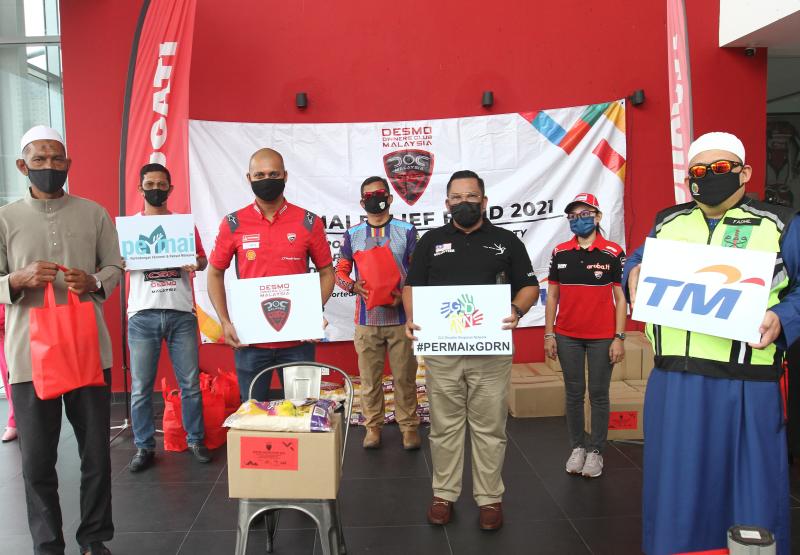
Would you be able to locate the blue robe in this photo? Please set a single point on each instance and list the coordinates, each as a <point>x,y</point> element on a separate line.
<point>715,451</point>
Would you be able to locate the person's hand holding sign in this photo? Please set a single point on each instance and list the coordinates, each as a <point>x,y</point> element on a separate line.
<point>770,329</point>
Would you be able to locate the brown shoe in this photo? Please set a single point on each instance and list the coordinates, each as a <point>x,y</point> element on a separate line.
<point>491,516</point>
<point>373,438</point>
<point>411,440</point>
<point>440,511</point>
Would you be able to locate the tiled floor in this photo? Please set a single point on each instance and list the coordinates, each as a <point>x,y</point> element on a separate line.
<point>182,507</point>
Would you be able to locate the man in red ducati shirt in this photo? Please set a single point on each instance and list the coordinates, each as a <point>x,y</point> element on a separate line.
<point>270,237</point>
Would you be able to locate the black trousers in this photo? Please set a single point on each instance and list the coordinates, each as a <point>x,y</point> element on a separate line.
<point>39,426</point>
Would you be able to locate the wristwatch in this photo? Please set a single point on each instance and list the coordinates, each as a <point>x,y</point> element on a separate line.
<point>520,314</point>
<point>620,336</point>
<point>97,283</point>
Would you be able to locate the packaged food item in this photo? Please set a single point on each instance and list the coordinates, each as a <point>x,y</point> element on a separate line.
<point>332,391</point>
<point>309,415</point>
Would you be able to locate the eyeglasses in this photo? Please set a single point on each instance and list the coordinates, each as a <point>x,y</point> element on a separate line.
<point>150,185</point>
<point>469,197</point>
<point>378,193</point>
<point>581,214</point>
<point>719,167</point>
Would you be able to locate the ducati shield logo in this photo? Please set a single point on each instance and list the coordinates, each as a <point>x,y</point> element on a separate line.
<point>409,171</point>
<point>276,311</point>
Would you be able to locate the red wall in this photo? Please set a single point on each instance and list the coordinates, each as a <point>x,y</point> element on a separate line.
<point>361,61</point>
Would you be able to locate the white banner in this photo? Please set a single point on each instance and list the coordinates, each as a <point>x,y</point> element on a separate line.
<point>156,242</point>
<point>533,164</point>
<point>718,291</point>
<point>278,308</point>
<point>462,320</point>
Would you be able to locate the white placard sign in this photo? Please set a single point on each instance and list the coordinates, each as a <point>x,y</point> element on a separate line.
<point>462,320</point>
<point>718,291</point>
<point>155,242</point>
<point>278,308</point>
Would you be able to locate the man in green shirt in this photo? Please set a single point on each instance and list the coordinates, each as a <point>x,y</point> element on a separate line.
<point>44,232</point>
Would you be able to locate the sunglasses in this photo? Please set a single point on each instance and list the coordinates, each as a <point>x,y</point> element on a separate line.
<point>582,214</point>
<point>719,167</point>
<point>378,193</point>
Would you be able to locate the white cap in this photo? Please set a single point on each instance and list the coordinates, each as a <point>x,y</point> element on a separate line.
<point>39,133</point>
<point>717,140</point>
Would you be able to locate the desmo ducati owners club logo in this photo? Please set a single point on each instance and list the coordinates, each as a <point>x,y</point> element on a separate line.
<point>409,172</point>
<point>275,304</point>
<point>276,311</point>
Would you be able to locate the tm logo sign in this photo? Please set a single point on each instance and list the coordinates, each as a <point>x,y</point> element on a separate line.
<point>694,295</point>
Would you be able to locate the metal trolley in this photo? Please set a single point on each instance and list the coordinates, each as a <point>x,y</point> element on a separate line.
<point>324,512</point>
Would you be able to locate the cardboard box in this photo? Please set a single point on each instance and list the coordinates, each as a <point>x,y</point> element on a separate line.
<point>522,373</point>
<point>284,465</point>
<point>638,385</point>
<point>540,396</point>
<point>625,419</point>
<point>554,365</point>
<point>648,356</point>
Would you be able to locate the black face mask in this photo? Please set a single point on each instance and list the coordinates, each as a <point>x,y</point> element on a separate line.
<point>466,214</point>
<point>713,189</point>
<point>376,205</point>
<point>268,189</point>
<point>48,181</point>
<point>155,197</point>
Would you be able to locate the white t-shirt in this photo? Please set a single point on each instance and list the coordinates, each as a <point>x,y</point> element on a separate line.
<point>167,289</point>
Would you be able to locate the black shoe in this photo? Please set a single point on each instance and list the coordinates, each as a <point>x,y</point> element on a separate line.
<point>141,460</point>
<point>200,452</point>
<point>98,548</point>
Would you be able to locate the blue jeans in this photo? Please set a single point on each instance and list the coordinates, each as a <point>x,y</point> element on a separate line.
<point>146,330</point>
<point>252,360</point>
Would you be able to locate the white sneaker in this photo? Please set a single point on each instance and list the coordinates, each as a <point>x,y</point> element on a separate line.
<point>593,467</point>
<point>576,460</point>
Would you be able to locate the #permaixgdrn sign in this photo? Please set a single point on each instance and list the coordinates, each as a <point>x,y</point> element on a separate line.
<point>714,290</point>
<point>156,242</point>
<point>462,320</point>
<point>277,308</point>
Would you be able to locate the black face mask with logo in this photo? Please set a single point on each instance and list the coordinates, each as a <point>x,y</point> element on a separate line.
<point>48,180</point>
<point>714,189</point>
<point>268,189</point>
<point>466,214</point>
<point>156,197</point>
<point>376,205</point>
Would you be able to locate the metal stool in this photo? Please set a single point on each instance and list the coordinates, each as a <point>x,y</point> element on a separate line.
<point>324,512</point>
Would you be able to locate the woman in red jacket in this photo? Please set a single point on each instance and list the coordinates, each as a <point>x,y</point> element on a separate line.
<point>584,287</point>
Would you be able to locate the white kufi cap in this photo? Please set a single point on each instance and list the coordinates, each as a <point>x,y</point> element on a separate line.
<point>717,140</point>
<point>39,133</point>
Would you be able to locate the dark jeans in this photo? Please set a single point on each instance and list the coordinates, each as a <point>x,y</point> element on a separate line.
<point>573,352</point>
<point>252,360</point>
<point>39,426</point>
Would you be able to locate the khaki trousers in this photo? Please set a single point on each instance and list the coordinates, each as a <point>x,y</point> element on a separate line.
<point>372,343</point>
<point>474,390</point>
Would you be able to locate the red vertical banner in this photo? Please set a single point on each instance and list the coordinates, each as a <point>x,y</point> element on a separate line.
<point>680,96</point>
<point>158,109</point>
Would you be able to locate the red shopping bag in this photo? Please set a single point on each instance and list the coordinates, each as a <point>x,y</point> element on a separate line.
<point>172,423</point>
<point>379,270</point>
<point>227,384</point>
<point>65,349</point>
<point>213,413</point>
